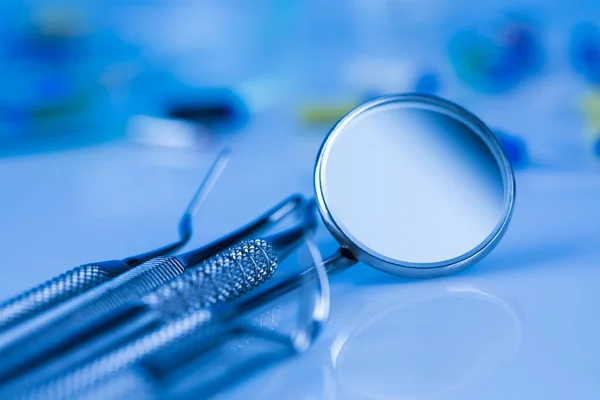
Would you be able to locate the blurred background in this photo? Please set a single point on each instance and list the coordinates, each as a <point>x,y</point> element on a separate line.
<point>193,75</point>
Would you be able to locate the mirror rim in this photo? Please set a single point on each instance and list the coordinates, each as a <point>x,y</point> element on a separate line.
<point>403,268</point>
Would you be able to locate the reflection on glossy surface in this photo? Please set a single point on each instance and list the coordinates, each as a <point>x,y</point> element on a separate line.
<point>410,182</point>
<point>425,348</point>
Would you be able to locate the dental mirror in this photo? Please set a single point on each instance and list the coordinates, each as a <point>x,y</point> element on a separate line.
<point>413,185</point>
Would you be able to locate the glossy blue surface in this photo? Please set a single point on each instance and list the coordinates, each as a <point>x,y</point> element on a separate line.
<point>521,324</point>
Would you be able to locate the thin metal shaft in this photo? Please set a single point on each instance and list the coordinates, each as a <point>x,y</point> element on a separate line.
<point>104,308</point>
<point>167,354</point>
<point>185,223</point>
<point>79,280</point>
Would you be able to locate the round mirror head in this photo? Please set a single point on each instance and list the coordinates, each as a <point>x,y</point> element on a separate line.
<point>414,185</point>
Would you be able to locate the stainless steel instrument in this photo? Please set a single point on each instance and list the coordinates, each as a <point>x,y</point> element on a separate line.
<point>80,279</point>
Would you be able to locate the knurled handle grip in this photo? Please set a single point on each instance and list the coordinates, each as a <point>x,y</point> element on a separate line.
<point>221,278</point>
<point>105,375</point>
<point>184,299</point>
<point>47,335</point>
<point>51,293</point>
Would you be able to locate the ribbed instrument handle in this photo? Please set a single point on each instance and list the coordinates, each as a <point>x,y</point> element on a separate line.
<point>50,293</point>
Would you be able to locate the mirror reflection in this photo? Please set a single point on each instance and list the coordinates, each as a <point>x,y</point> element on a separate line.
<point>413,184</point>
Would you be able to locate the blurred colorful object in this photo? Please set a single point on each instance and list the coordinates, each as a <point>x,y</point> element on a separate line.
<point>428,83</point>
<point>168,133</point>
<point>596,145</point>
<point>515,149</point>
<point>188,117</point>
<point>52,94</point>
<point>329,112</point>
<point>496,62</point>
<point>326,113</point>
<point>585,52</point>
<point>591,109</point>
<point>218,109</point>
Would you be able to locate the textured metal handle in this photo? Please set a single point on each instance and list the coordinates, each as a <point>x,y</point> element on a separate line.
<point>50,293</point>
<point>222,277</point>
<point>49,334</point>
<point>106,374</point>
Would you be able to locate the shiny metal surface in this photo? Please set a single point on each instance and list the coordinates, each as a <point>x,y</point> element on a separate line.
<point>414,185</point>
<point>50,293</point>
<point>221,278</point>
<point>51,333</point>
<point>186,336</point>
<point>78,280</point>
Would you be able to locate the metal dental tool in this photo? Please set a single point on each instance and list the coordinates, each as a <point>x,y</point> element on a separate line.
<point>203,282</point>
<point>85,277</point>
<point>413,185</point>
<point>133,369</point>
<point>410,184</point>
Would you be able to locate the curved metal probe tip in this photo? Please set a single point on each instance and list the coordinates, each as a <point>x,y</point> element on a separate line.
<point>288,206</point>
<point>185,223</point>
<point>86,277</point>
<point>217,168</point>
